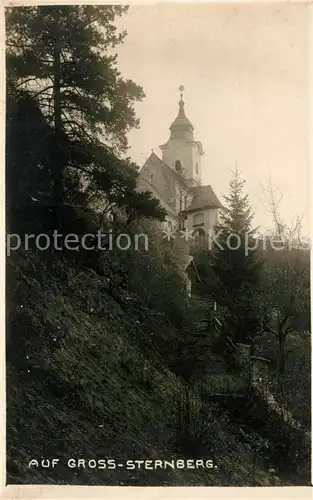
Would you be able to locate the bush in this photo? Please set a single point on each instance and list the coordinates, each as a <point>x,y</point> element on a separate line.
<point>153,274</point>
<point>195,423</point>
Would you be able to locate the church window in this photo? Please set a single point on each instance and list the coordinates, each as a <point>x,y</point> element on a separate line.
<point>199,237</point>
<point>197,168</point>
<point>198,219</point>
<point>178,167</point>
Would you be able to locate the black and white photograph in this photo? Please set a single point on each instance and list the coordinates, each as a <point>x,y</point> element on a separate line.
<point>157,212</point>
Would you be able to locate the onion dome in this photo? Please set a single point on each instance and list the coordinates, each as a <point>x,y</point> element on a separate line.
<point>181,127</point>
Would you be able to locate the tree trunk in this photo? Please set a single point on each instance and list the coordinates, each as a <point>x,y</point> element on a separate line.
<point>281,362</point>
<point>253,467</point>
<point>282,359</point>
<point>59,161</point>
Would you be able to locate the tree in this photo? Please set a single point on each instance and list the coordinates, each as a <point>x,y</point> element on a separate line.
<point>204,276</point>
<point>236,265</point>
<point>286,297</point>
<point>62,57</point>
<point>29,143</point>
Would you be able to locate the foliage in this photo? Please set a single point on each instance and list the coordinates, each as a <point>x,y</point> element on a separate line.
<point>286,296</point>
<point>110,339</point>
<point>69,47</point>
<point>296,380</point>
<point>236,218</point>
<point>81,357</point>
<point>288,446</point>
<point>205,281</point>
<point>195,423</point>
<point>237,270</point>
<point>59,60</point>
<point>29,144</point>
<point>149,267</point>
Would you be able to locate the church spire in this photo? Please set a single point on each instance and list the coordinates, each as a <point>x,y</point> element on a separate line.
<point>181,152</point>
<point>181,103</point>
<point>181,127</point>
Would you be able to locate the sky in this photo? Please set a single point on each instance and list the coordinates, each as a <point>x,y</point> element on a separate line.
<point>245,69</point>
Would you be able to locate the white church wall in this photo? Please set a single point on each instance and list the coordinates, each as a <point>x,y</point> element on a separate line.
<point>163,184</point>
<point>187,153</point>
<point>210,219</point>
<point>143,185</point>
<point>196,159</point>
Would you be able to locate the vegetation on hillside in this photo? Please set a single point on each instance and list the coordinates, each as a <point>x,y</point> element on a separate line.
<point>236,265</point>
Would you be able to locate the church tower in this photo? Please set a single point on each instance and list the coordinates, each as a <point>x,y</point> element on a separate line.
<point>181,152</point>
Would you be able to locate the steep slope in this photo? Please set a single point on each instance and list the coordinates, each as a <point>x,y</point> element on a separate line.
<point>86,379</point>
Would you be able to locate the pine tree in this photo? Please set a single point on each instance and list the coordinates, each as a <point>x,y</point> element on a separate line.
<point>236,265</point>
<point>236,216</point>
<point>63,57</point>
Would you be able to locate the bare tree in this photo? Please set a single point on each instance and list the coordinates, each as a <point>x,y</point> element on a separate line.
<point>287,284</point>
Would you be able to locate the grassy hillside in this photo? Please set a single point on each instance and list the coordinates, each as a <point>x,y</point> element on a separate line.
<point>86,378</point>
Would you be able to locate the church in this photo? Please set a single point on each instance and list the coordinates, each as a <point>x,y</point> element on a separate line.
<point>176,180</point>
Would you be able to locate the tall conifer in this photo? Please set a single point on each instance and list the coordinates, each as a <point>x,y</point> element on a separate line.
<point>236,264</point>
<point>63,57</point>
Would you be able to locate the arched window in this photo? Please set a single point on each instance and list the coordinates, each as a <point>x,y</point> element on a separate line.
<point>197,168</point>
<point>178,166</point>
<point>199,237</point>
<point>198,219</point>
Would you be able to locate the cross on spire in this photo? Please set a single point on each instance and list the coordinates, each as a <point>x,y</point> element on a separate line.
<point>181,89</point>
<point>181,103</point>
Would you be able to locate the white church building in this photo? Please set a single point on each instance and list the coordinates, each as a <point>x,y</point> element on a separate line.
<point>176,180</point>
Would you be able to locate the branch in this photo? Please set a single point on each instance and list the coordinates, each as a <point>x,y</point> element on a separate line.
<point>267,328</point>
<point>110,206</point>
<point>284,320</point>
<point>31,79</point>
<point>79,167</point>
<point>36,94</point>
<point>90,22</point>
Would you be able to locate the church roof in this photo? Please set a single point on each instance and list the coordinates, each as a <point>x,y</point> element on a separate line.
<point>181,121</point>
<point>203,197</point>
